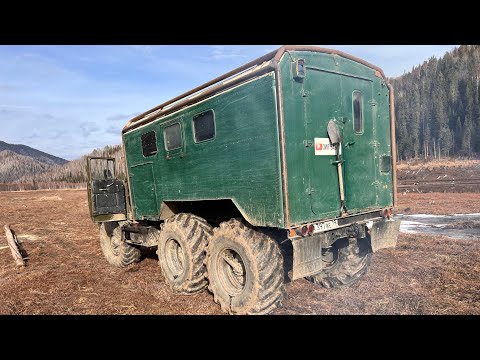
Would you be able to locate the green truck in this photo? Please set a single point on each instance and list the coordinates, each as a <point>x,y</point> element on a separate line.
<point>289,156</point>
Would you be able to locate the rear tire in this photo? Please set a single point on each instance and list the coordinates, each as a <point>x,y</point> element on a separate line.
<point>181,252</point>
<point>117,252</point>
<point>245,269</point>
<point>349,260</point>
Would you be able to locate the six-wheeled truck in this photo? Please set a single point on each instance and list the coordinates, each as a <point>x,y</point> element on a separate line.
<point>296,147</point>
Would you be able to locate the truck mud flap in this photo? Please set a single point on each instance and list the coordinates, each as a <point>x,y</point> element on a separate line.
<point>384,234</point>
<point>307,256</point>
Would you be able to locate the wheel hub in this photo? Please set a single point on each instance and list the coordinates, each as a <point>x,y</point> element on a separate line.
<point>329,256</point>
<point>175,257</point>
<point>232,271</point>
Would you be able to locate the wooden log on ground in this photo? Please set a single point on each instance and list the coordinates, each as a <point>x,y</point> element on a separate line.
<point>13,244</point>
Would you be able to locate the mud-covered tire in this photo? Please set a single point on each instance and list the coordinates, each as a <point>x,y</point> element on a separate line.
<point>181,252</point>
<point>254,284</point>
<point>117,252</point>
<point>352,261</point>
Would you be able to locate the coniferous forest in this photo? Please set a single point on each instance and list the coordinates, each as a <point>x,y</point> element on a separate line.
<point>437,107</point>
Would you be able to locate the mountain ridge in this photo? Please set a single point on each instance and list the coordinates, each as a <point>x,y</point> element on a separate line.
<point>33,153</point>
<point>14,166</point>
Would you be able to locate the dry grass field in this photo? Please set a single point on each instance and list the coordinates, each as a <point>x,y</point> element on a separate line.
<point>67,274</point>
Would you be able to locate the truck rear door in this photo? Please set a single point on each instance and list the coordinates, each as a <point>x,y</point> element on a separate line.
<point>348,101</point>
<point>360,143</point>
<point>321,104</point>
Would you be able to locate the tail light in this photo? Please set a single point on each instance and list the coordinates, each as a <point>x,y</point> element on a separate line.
<point>304,231</point>
<point>311,229</point>
<point>387,213</point>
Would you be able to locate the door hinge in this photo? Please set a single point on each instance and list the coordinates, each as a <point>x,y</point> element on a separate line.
<point>374,143</point>
<point>372,102</point>
<point>376,183</point>
<point>308,143</point>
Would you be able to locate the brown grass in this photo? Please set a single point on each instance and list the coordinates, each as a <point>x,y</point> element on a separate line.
<point>438,203</point>
<point>423,275</point>
<point>435,164</point>
<point>67,274</point>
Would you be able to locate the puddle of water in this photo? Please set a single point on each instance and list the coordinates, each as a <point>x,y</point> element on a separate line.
<point>435,225</point>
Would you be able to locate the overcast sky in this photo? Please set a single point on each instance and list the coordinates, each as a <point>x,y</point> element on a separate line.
<point>69,100</point>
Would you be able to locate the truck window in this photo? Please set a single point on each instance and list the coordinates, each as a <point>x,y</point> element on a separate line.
<point>204,126</point>
<point>173,137</point>
<point>149,143</point>
<point>357,112</point>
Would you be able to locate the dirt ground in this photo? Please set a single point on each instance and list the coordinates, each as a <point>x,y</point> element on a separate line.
<point>438,203</point>
<point>67,274</point>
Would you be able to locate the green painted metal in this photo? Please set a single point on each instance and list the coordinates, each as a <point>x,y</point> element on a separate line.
<point>243,162</point>
<point>324,94</point>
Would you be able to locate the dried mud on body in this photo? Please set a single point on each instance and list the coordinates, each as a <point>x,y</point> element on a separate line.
<point>67,274</point>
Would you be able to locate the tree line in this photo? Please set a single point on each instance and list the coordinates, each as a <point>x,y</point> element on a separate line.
<point>437,107</point>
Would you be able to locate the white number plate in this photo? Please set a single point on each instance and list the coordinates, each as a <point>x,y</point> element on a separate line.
<point>327,225</point>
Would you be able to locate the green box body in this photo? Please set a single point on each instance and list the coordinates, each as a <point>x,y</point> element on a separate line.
<point>275,179</point>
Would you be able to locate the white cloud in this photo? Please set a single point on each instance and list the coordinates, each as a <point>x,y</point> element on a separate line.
<point>218,52</point>
<point>122,117</point>
<point>143,49</point>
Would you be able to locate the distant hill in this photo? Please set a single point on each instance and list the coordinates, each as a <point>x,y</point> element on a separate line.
<point>75,171</point>
<point>32,153</point>
<point>20,172</point>
<point>14,166</point>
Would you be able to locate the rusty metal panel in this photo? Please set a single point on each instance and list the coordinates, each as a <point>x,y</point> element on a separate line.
<point>307,256</point>
<point>384,234</point>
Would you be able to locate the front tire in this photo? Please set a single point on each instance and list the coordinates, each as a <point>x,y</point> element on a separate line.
<point>245,269</point>
<point>181,252</point>
<point>117,252</point>
<point>346,262</point>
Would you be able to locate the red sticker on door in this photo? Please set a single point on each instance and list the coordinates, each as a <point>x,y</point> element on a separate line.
<point>323,147</point>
